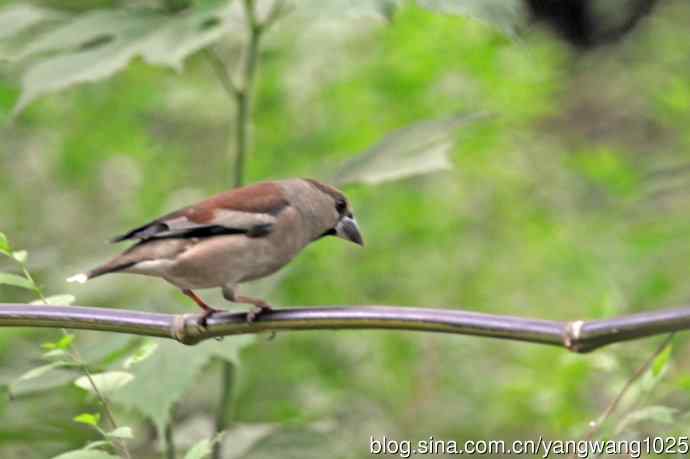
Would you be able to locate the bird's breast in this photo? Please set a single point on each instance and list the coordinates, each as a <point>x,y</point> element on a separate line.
<point>229,260</point>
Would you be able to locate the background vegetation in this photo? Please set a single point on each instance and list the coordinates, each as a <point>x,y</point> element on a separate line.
<point>571,201</point>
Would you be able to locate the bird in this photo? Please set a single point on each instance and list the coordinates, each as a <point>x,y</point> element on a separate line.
<point>234,237</point>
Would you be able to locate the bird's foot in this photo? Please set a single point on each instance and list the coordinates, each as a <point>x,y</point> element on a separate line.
<point>257,310</point>
<point>260,306</point>
<point>208,310</point>
<point>203,320</point>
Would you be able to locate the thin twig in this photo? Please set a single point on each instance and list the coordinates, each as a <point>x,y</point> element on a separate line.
<point>597,425</point>
<point>222,73</point>
<point>169,441</point>
<point>226,389</point>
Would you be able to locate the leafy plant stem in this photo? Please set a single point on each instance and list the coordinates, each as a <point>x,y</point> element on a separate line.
<point>169,441</point>
<point>221,421</point>
<point>597,425</point>
<point>243,98</point>
<point>77,359</point>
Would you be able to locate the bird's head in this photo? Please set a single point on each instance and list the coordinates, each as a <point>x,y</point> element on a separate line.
<point>334,214</point>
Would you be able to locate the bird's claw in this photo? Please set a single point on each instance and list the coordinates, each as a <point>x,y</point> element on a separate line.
<point>203,320</point>
<point>256,311</point>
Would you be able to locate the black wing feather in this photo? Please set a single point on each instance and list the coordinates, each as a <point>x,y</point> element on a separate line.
<point>150,232</point>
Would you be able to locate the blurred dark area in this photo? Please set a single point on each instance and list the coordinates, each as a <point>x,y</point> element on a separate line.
<point>588,24</point>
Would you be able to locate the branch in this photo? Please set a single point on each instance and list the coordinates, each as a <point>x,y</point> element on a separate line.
<point>576,336</point>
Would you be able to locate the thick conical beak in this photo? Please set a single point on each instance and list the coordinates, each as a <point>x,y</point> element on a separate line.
<point>347,229</point>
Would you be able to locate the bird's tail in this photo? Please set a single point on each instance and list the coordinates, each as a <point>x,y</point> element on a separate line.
<point>109,267</point>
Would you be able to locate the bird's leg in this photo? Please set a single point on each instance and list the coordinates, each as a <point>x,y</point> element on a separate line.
<point>208,310</point>
<point>260,306</point>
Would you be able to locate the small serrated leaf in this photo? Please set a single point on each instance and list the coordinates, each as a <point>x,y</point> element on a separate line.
<point>54,353</point>
<point>107,382</point>
<point>97,44</point>
<point>49,345</point>
<point>661,361</point>
<point>20,255</point>
<point>16,18</point>
<point>4,245</point>
<point>16,281</point>
<point>65,342</point>
<point>85,454</point>
<point>98,444</point>
<point>201,450</point>
<point>142,353</point>
<point>40,371</point>
<point>123,432</point>
<point>88,419</point>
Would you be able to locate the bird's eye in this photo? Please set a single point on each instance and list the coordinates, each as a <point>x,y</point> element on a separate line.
<point>340,206</point>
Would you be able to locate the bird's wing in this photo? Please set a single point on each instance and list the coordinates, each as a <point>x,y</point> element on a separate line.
<point>250,210</point>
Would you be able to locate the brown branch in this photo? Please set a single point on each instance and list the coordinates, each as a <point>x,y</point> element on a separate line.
<point>576,336</point>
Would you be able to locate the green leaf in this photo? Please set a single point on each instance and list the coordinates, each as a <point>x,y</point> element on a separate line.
<point>54,353</point>
<point>16,281</point>
<point>123,432</point>
<point>49,345</point>
<point>107,382</point>
<point>98,444</point>
<point>656,413</point>
<point>175,369</point>
<point>57,300</point>
<point>97,44</point>
<point>201,450</point>
<point>142,353</point>
<point>91,29</point>
<point>88,419</point>
<point>4,245</point>
<point>661,361</point>
<point>65,342</point>
<point>40,371</point>
<point>86,454</point>
<point>20,255</point>
<point>16,18</point>
<point>505,15</point>
<point>418,149</point>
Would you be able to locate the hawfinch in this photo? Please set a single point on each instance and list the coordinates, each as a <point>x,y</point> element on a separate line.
<point>234,237</point>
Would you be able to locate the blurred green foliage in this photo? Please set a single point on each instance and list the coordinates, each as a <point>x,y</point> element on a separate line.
<point>570,203</point>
